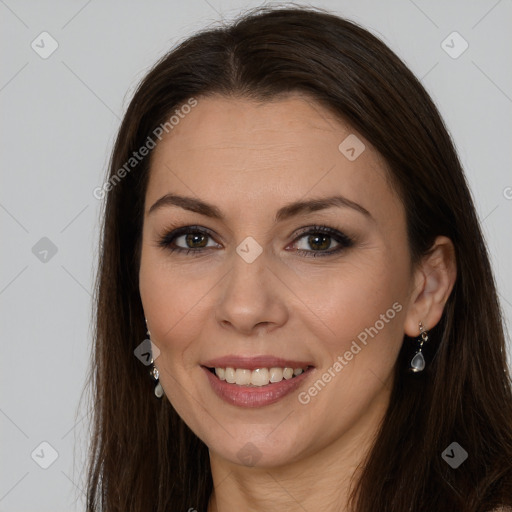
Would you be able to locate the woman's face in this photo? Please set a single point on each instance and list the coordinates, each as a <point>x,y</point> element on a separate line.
<point>263,288</point>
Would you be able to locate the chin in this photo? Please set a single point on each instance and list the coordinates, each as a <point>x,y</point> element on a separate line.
<point>262,450</point>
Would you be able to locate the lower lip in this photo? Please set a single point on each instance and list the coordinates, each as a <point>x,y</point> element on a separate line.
<point>243,396</point>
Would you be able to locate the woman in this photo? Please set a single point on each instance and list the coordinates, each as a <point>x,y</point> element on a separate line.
<point>291,251</point>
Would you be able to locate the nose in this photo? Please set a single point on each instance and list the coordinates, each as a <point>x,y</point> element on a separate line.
<point>252,299</point>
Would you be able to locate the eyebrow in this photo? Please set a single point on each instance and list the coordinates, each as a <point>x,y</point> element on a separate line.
<point>290,210</point>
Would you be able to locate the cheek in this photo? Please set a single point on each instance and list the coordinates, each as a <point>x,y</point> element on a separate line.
<point>174,303</point>
<point>361,315</point>
<point>361,307</point>
<point>355,296</point>
<point>368,318</point>
<point>174,307</point>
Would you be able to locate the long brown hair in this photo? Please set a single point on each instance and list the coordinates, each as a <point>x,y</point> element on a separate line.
<point>142,456</point>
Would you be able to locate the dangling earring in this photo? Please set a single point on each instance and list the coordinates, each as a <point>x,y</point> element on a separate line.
<point>155,373</point>
<point>418,361</point>
<point>158,388</point>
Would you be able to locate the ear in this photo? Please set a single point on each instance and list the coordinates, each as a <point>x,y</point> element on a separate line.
<point>433,282</point>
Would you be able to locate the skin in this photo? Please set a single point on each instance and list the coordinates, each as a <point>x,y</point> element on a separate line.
<point>249,159</point>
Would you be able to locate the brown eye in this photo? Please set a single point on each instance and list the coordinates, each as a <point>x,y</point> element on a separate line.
<point>192,239</point>
<point>319,239</point>
<point>320,242</point>
<point>187,239</point>
<point>316,242</point>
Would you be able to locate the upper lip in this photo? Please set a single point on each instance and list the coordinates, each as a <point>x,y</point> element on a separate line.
<point>251,363</point>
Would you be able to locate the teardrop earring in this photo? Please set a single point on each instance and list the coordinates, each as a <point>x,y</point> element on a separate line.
<point>418,361</point>
<point>154,371</point>
<point>158,388</point>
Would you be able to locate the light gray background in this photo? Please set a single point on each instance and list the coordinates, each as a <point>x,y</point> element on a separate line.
<point>59,119</point>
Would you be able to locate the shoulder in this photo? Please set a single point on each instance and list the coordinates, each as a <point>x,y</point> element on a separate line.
<point>501,509</point>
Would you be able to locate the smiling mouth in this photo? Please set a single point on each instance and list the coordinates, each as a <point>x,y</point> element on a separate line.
<point>258,377</point>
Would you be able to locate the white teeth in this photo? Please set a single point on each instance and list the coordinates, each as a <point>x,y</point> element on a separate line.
<point>257,377</point>
<point>242,377</point>
<point>288,373</point>
<point>230,375</point>
<point>276,374</point>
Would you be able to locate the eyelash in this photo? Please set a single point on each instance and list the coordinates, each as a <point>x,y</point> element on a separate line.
<point>343,240</point>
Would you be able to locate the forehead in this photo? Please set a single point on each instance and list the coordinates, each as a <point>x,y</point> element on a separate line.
<point>223,124</point>
<point>233,150</point>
